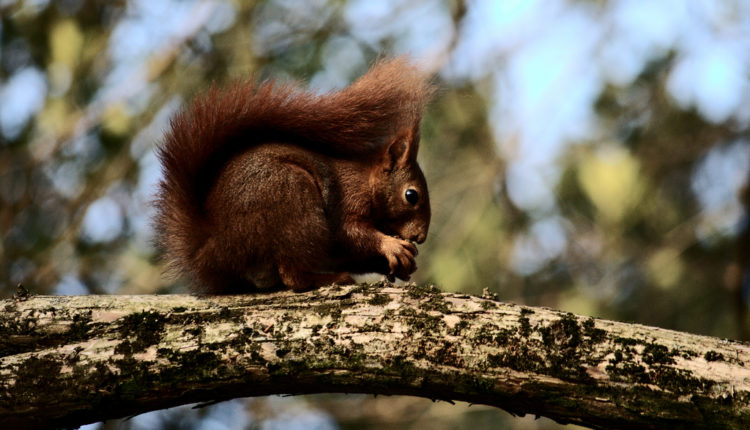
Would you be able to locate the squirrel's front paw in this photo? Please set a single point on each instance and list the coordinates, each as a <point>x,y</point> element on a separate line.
<point>400,255</point>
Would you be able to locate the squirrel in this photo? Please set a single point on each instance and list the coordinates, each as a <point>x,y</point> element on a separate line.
<point>267,185</point>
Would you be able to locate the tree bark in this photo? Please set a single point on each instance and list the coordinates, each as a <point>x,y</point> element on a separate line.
<point>68,361</point>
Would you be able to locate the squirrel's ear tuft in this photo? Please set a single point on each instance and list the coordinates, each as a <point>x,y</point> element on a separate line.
<point>400,152</point>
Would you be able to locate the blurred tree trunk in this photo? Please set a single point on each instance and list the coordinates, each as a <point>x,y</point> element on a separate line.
<point>67,361</point>
<point>737,273</point>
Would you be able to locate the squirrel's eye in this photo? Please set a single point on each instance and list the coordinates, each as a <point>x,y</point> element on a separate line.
<point>412,196</point>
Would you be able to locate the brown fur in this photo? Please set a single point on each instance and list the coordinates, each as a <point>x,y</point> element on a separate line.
<point>268,184</point>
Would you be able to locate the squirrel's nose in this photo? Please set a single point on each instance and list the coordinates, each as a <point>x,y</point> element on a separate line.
<point>419,238</point>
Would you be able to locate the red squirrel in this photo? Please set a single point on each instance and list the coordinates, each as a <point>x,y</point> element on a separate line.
<point>267,184</point>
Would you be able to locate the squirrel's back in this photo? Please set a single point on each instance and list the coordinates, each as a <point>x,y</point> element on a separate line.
<point>354,122</point>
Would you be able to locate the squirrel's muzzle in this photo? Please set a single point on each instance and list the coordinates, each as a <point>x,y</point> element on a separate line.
<point>419,238</point>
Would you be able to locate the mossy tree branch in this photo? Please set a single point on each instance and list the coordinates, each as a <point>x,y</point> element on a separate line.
<point>67,361</point>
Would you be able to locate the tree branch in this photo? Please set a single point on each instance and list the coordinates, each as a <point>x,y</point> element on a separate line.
<point>67,361</point>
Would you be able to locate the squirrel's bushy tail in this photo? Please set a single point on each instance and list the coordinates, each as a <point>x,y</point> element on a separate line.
<point>353,122</point>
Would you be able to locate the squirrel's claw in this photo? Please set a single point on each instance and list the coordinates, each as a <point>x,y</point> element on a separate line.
<point>400,255</point>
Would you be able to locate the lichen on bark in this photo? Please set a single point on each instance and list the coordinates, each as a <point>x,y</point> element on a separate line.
<point>67,361</point>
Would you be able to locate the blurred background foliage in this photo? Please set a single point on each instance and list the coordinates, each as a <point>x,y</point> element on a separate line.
<point>589,156</point>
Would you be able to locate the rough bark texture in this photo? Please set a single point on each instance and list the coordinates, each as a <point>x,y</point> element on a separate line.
<point>67,361</point>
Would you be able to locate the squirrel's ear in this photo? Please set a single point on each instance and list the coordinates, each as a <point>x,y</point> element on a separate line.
<point>401,151</point>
